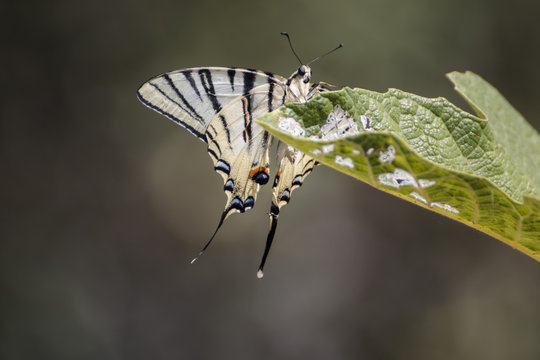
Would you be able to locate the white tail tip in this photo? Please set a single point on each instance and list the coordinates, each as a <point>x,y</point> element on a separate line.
<point>260,274</point>
<point>194,259</point>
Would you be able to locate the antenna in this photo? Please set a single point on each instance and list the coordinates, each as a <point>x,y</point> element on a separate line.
<point>290,44</point>
<point>323,55</point>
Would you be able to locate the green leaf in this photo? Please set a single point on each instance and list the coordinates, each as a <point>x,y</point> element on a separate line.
<point>483,171</point>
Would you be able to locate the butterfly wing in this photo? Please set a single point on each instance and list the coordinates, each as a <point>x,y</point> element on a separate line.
<point>192,97</point>
<point>219,106</point>
<point>293,168</point>
<point>239,147</point>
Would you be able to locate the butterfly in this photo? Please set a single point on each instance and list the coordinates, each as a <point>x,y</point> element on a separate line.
<point>219,105</point>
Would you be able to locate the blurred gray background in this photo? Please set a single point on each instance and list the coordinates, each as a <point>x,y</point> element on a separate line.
<point>104,202</point>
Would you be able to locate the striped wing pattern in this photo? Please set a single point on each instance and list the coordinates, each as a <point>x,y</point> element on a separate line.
<point>239,147</point>
<point>293,167</point>
<point>219,105</point>
<point>192,97</point>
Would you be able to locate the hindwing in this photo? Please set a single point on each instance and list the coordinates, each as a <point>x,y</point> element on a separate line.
<point>239,146</point>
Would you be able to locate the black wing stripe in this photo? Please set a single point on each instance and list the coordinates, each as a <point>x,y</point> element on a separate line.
<point>249,83</point>
<point>170,98</point>
<point>225,126</point>
<point>212,154</point>
<point>271,84</point>
<point>208,85</point>
<point>266,138</point>
<point>211,127</point>
<point>309,164</point>
<point>307,172</point>
<point>231,73</point>
<point>172,117</point>
<point>247,118</point>
<point>249,80</point>
<point>217,146</point>
<point>191,81</point>
<point>193,112</point>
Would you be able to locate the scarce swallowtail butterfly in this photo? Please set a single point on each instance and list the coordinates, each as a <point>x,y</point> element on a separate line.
<point>219,105</point>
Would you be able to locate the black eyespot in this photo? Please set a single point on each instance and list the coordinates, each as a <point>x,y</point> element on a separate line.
<point>276,181</point>
<point>274,210</point>
<point>249,202</point>
<point>285,196</point>
<point>260,178</point>
<point>229,185</point>
<point>237,204</point>
<point>222,166</point>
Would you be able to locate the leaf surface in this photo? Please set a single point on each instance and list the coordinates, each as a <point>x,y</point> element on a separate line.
<point>482,170</point>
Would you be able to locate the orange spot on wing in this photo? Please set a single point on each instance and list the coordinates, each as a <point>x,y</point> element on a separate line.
<point>278,177</point>
<point>253,172</point>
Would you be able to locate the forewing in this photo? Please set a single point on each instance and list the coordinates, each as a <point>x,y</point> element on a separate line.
<point>192,97</point>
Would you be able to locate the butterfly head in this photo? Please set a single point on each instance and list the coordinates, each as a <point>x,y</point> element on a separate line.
<point>298,85</point>
<point>304,72</point>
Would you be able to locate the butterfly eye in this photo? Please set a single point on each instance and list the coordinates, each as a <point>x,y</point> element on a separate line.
<point>302,70</point>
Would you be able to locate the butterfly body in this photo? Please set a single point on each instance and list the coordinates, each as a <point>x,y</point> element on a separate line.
<point>219,105</point>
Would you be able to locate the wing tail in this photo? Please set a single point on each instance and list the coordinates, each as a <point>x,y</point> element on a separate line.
<point>223,217</point>
<point>293,167</point>
<point>274,214</point>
